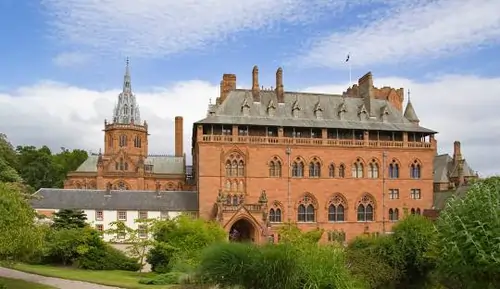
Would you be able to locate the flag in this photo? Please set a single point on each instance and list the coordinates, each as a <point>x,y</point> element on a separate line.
<point>347,59</point>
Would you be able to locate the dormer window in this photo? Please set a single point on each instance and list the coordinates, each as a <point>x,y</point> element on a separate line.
<point>296,109</point>
<point>384,113</point>
<point>271,108</point>
<point>245,108</point>
<point>318,111</point>
<point>363,114</point>
<point>342,110</point>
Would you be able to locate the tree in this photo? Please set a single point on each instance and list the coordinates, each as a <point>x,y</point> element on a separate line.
<point>69,219</point>
<point>20,237</point>
<point>181,240</point>
<point>290,233</point>
<point>65,162</point>
<point>139,240</point>
<point>8,161</point>
<point>36,166</point>
<point>467,251</point>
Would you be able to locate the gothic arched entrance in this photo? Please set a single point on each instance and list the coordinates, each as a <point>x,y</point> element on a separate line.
<point>242,231</point>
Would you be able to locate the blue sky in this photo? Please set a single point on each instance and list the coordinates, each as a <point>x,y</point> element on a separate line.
<point>58,53</point>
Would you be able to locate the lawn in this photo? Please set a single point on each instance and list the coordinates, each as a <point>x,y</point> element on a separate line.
<point>124,279</point>
<point>20,284</point>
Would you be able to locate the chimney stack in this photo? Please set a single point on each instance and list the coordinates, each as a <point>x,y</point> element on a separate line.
<point>179,136</point>
<point>280,93</point>
<point>227,84</point>
<point>255,84</point>
<point>457,153</point>
<point>366,91</point>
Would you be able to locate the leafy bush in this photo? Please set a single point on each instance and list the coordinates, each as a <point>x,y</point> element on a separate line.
<point>170,278</point>
<point>275,266</point>
<point>84,248</point>
<point>467,250</point>
<point>181,240</point>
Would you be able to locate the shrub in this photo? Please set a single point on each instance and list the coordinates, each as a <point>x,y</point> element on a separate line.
<point>170,278</point>
<point>159,257</point>
<point>107,258</point>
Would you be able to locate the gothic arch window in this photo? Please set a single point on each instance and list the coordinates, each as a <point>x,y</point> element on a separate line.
<point>235,166</point>
<point>275,168</point>
<point>78,185</point>
<point>170,187</point>
<point>373,169</point>
<point>137,141</point>
<point>415,170</point>
<point>228,185</point>
<point>241,186</point>
<point>275,215</point>
<point>121,186</point>
<point>314,168</point>
<point>298,168</point>
<point>125,109</point>
<point>337,208</point>
<point>418,211</point>
<point>126,166</point>
<point>235,200</point>
<point>228,168</point>
<point>331,170</point>
<point>122,165</point>
<point>306,211</point>
<point>123,140</point>
<point>241,168</point>
<point>342,171</point>
<point>234,185</point>
<point>394,170</point>
<point>412,211</point>
<point>366,208</point>
<point>357,169</point>
<point>393,214</point>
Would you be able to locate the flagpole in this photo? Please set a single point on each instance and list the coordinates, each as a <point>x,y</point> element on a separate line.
<point>348,60</point>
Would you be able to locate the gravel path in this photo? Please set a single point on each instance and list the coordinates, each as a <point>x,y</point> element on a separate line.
<point>55,282</point>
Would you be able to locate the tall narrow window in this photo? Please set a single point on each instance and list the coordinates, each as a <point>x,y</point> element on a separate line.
<point>415,194</point>
<point>314,168</point>
<point>373,170</point>
<point>306,211</point>
<point>298,168</point>
<point>394,170</point>
<point>342,171</point>
<point>331,170</point>
<point>365,209</point>
<point>415,170</point>
<point>123,140</point>
<point>357,169</point>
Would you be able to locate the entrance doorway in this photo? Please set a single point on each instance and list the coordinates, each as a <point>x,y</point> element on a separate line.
<point>242,231</point>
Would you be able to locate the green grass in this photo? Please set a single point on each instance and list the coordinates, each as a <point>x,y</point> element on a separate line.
<point>124,279</point>
<point>20,284</point>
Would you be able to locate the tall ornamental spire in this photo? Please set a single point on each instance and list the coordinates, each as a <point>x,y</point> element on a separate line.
<point>126,110</point>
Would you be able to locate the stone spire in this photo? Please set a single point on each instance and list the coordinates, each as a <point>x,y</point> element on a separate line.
<point>410,113</point>
<point>126,110</point>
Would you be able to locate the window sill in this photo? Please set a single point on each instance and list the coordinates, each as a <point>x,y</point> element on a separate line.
<point>305,222</point>
<point>336,222</point>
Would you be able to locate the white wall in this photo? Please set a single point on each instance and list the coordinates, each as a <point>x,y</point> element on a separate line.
<point>112,216</point>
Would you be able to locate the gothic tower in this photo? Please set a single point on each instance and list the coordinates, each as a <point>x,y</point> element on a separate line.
<point>125,134</point>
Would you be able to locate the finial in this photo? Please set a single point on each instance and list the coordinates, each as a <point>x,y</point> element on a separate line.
<point>409,95</point>
<point>210,101</point>
<point>127,60</point>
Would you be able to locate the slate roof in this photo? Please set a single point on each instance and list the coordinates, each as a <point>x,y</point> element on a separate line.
<point>115,200</point>
<point>441,198</point>
<point>444,169</point>
<point>230,112</point>
<point>161,164</point>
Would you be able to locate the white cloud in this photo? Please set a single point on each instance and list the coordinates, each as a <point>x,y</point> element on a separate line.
<point>459,107</point>
<point>67,59</point>
<point>161,27</point>
<point>410,30</point>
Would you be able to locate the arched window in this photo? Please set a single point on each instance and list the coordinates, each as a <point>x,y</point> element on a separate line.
<point>275,215</point>
<point>137,141</point>
<point>298,168</point>
<point>122,166</point>
<point>241,168</point>
<point>412,211</point>
<point>314,168</point>
<point>229,200</point>
<point>394,170</point>
<point>373,173</point>
<point>415,170</point>
<point>418,211</point>
<point>306,211</point>
<point>341,171</point>
<point>236,200</point>
<point>126,166</point>
<point>275,168</point>
<point>357,169</point>
<point>336,208</point>
<point>228,185</point>
<point>331,170</point>
<point>228,168</point>
<point>123,140</point>
<point>393,214</point>
<point>122,186</point>
<point>169,187</point>
<point>234,168</point>
<point>234,186</point>
<point>365,209</point>
<point>240,186</point>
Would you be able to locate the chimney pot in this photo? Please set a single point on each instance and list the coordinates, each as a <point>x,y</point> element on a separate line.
<point>280,93</point>
<point>255,84</point>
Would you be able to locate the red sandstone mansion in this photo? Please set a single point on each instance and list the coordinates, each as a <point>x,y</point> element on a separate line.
<point>351,163</point>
